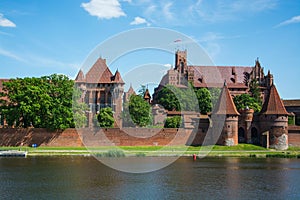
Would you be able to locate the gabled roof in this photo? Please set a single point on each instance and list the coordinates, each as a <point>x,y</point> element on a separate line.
<point>273,104</point>
<point>99,73</point>
<point>225,105</point>
<point>214,76</point>
<point>117,77</point>
<point>80,77</point>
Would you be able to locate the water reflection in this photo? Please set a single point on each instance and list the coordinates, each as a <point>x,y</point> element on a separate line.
<point>86,178</point>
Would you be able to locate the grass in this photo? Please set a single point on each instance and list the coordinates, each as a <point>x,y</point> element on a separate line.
<point>241,150</point>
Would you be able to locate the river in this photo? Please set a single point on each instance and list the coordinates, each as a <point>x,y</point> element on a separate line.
<point>209,178</point>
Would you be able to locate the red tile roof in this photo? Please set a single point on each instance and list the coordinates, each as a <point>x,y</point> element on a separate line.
<point>291,102</point>
<point>273,104</point>
<point>99,73</point>
<point>80,77</point>
<point>131,90</point>
<point>214,76</point>
<point>147,94</point>
<point>225,104</point>
<point>117,77</point>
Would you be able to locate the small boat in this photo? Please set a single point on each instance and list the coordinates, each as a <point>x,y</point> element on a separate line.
<point>13,153</point>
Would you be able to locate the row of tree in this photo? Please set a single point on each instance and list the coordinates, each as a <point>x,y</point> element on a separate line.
<point>44,102</point>
<point>52,102</point>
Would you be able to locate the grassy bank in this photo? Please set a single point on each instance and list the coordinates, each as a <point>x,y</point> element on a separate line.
<point>241,150</point>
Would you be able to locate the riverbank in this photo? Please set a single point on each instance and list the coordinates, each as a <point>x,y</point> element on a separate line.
<point>241,150</point>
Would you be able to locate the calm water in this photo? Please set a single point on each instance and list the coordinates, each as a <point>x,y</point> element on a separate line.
<point>87,178</point>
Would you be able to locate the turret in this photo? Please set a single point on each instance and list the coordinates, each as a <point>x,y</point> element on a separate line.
<point>274,120</point>
<point>226,110</point>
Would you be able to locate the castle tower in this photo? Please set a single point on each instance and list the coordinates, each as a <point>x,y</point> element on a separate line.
<point>226,110</point>
<point>258,73</point>
<point>100,89</point>
<point>274,120</point>
<point>181,61</point>
<point>245,123</point>
<point>117,97</point>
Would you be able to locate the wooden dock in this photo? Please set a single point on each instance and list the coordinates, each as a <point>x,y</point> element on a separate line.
<point>13,153</point>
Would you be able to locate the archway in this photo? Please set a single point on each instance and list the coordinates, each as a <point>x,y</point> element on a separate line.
<point>242,136</point>
<point>255,137</point>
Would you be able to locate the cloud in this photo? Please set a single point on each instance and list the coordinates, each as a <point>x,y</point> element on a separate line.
<point>6,22</point>
<point>223,10</point>
<point>167,10</point>
<point>293,20</point>
<point>104,9</point>
<point>11,55</point>
<point>139,20</point>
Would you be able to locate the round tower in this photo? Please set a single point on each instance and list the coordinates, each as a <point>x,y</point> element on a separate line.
<point>274,120</point>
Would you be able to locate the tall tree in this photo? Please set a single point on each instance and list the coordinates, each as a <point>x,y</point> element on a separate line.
<point>140,111</point>
<point>204,100</point>
<point>168,97</point>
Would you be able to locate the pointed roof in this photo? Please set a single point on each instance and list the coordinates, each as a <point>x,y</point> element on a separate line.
<point>99,73</point>
<point>273,104</point>
<point>80,77</point>
<point>117,77</point>
<point>225,104</point>
<point>147,94</point>
<point>131,90</point>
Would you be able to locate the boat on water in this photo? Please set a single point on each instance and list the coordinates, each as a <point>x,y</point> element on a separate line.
<point>13,153</point>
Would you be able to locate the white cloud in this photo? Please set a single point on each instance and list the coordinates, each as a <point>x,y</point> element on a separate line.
<point>293,20</point>
<point>6,22</point>
<point>104,9</point>
<point>9,54</point>
<point>139,20</point>
<point>167,10</point>
<point>223,10</point>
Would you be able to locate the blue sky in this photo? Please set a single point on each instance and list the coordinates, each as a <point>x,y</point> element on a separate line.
<point>56,36</point>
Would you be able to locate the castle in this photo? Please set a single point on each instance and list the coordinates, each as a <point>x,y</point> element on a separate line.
<point>101,88</point>
<point>268,128</point>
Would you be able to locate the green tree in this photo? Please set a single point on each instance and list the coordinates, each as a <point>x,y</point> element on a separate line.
<point>140,111</point>
<point>106,118</point>
<point>167,97</point>
<point>44,102</point>
<point>204,100</point>
<point>79,110</point>
<point>255,91</point>
<point>173,122</point>
<point>245,100</point>
<point>215,95</point>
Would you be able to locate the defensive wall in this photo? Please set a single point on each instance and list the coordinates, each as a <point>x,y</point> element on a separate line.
<point>112,136</point>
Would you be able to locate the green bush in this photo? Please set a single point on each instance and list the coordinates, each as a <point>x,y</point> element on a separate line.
<point>173,122</point>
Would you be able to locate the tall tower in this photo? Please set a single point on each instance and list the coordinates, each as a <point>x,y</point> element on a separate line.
<point>181,61</point>
<point>227,116</point>
<point>274,120</point>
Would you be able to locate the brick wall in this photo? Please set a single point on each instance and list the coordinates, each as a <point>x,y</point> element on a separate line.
<point>124,137</point>
<point>294,135</point>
